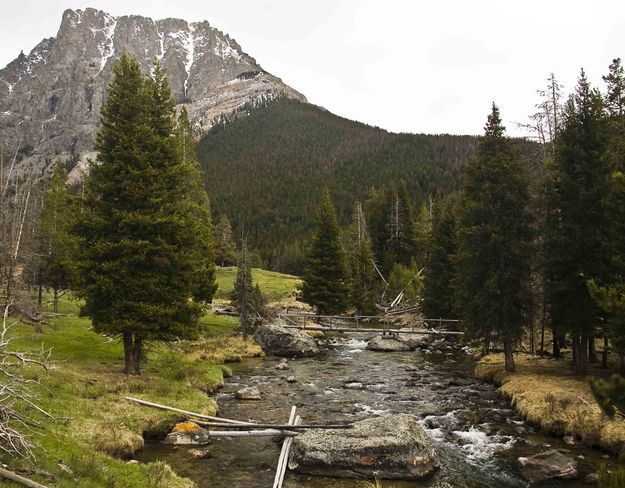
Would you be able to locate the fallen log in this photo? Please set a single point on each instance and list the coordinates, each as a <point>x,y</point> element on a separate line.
<point>19,479</point>
<point>406,330</point>
<point>272,426</point>
<point>251,433</point>
<point>277,481</point>
<point>186,412</point>
<point>285,461</point>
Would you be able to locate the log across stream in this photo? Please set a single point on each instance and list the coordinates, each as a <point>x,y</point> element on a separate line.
<point>477,434</point>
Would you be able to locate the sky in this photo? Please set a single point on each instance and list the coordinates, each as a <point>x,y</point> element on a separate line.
<point>415,66</point>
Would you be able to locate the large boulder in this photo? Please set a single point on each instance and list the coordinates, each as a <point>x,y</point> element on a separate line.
<point>415,341</point>
<point>548,465</point>
<point>394,447</point>
<point>276,339</point>
<point>387,344</point>
<point>187,434</point>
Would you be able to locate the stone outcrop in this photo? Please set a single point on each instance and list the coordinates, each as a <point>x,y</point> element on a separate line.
<point>387,344</point>
<point>248,393</point>
<point>394,447</point>
<point>548,465</point>
<point>187,434</point>
<point>277,340</point>
<point>50,99</point>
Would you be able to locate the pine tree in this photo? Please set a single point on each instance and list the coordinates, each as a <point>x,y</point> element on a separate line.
<point>576,219</point>
<point>199,208</point>
<point>139,230</point>
<point>324,283</point>
<point>492,260</point>
<point>363,278</point>
<point>57,245</point>
<point>225,251</point>
<point>243,292</point>
<point>438,295</point>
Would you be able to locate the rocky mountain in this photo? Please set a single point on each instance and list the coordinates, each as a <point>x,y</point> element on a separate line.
<point>50,99</point>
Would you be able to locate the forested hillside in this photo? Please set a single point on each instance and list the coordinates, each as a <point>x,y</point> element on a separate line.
<point>265,171</point>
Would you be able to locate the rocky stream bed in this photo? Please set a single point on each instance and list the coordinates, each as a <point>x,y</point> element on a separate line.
<point>476,433</point>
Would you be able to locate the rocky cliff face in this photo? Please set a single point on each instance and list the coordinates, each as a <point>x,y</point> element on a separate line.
<point>50,100</point>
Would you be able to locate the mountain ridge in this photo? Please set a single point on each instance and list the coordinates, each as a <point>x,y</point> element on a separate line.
<point>50,99</point>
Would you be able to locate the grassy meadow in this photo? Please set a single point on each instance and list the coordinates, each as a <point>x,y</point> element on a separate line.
<point>95,431</point>
<point>275,286</point>
<point>548,394</point>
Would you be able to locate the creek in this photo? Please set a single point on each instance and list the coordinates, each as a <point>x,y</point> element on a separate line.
<point>477,434</point>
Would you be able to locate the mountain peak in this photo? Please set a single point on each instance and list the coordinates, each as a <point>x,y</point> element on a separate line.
<point>50,100</point>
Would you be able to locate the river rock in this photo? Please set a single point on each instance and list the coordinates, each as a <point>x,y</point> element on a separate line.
<point>548,465</point>
<point>291,379</point>
<point>277,340</point>
<point>387,344</point>
<point>200,453</point>
<point>393,447</point>
<point>248,393</point>
<point>591,479</point>
<point>569,440</point>
<point>282,365</point>
<point>415,341</point>
<point>187,434</point>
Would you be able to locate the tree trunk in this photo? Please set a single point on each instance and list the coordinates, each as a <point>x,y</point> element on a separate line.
<point>486,346</point>
<point>128,357</point>
<point>136,354</point>
<point>542,338</point>
<point>604,356</point>
<point>55,306</point>
<point>556,344</point>
<point>39,287</point>
<point>509,357</point>
<point>581,356</point>
<point>592,350</point>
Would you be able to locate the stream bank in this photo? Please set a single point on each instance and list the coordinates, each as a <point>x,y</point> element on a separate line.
<point>548,394</point>
<point>475,430</point>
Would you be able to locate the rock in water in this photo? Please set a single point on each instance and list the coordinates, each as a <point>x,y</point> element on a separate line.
<point>277,340</point>
<point>394,447</point>
<point>188,434</point>
<point>548,465</point>
<point>248,393</point>
<point>416,341</point>
<point>387,344</point>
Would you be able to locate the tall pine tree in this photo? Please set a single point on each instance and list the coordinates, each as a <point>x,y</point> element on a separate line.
<point>438,297</point>
<point>492,260</point>
<point>57,245</point>
<point>243,292</point>
<point>325,283</point>
<point>140,234</point>
<point>576,219</point>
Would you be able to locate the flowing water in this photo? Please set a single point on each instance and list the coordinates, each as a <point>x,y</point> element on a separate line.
<point>477,434</point>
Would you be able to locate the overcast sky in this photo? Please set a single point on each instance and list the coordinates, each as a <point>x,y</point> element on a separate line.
<point>405,66</point>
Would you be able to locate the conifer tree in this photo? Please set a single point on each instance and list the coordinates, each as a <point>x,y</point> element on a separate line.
<point>243,294</point>
<point>363,278</point>
<point>57,245</point>
<point>492,260</point>
<point>225,251</point>
<point>139,231</point>
<point>576,219</point>
<point>438,297</point>
<point>325,281</point>
<point>199,208</point>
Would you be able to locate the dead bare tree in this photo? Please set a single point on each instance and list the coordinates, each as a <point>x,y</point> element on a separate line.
<point>16,389</point>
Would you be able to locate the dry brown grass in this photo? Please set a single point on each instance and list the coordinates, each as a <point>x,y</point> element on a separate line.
<point>547,393</point>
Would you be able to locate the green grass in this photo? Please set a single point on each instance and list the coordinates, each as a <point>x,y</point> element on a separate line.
<point>549,394</point>
<point>276,286</point>
<point>95,428</point>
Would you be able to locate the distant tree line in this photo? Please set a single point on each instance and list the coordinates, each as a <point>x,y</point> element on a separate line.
<point>535,249</point>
